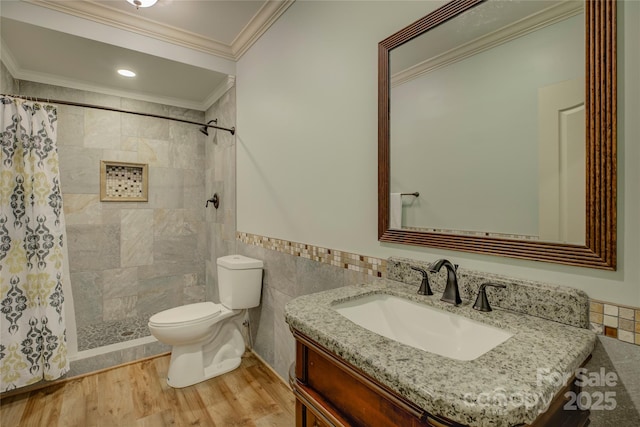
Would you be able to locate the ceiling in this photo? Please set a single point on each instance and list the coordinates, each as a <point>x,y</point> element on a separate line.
<point>183,51</point>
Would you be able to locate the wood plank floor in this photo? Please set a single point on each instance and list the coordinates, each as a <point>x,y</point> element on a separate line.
<point>137,395</point>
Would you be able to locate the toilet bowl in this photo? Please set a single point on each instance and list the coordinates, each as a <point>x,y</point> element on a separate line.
<point>206,338</point>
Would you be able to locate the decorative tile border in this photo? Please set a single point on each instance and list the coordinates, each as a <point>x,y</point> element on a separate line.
<point>612,320</point>
<point>615,321</point>
<point>373,266</point>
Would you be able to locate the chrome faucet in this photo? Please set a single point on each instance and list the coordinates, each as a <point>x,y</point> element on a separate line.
<point>425,289</point>
<point>451,291</point>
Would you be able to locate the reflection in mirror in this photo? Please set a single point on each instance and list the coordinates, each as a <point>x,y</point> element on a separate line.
<point>487,123</point>
<point>486,110</point>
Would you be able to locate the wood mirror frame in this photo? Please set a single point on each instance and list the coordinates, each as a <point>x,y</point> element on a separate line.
<point>599,250</point>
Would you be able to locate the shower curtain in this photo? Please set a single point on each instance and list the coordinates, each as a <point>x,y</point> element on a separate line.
<point>32,255</point>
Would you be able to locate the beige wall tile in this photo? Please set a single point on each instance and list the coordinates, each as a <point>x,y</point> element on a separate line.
<point>625,336</point>
<point>626,313</point>
<point>70,127</point>
<point>596,317</point>
<point>136,241</point>
<point>119,308</point>
<point>155,152</point>
<point>119,282</point>
<point>120,156</point>
<point>79,169</point>
<point>611,310</point>
<point>168,222</point>
<point>626,324</point>
<point>596,307</point>
<point>82,209</point>
<point>101,129</point>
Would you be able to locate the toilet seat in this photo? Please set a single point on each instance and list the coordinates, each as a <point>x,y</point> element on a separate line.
<point>186,315</point>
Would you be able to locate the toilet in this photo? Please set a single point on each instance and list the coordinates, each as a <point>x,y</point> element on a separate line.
<point>207,338</point>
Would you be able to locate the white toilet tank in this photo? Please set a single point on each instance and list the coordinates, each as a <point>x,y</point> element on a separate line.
<point>239,281</point>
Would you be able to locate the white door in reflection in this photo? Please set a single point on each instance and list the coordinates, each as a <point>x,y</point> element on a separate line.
<point>561,162</point>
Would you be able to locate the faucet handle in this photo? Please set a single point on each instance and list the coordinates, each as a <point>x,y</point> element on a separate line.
<point>482,302</point>
<point>425,289</point>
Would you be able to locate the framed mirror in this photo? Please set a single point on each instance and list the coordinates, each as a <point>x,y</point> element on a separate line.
<point>515,158</point>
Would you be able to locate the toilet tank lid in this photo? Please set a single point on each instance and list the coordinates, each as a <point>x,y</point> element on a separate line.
<point>239,262</point>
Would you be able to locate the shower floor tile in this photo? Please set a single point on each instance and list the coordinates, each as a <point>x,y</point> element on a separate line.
<point>106,333</point>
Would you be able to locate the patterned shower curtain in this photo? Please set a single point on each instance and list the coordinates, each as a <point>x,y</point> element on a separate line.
<point>32,323</point>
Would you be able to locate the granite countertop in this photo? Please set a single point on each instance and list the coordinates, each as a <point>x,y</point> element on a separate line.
<point>509,385</point>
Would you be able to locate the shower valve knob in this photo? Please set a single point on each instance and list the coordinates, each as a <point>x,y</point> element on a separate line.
<point>215,200</point>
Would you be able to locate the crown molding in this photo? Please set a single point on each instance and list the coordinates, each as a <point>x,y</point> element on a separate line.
<point>518,29</point>
<point>219,91</point>
<point>270,11</point>
<point>137,24</point>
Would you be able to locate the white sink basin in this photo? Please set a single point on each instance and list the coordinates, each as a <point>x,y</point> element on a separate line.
<point>423,327</point>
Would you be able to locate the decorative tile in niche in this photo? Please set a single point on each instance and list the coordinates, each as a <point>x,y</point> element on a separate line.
<point>123,182</point>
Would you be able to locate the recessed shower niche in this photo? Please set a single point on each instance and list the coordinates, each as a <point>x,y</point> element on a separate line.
<point>123,182</point>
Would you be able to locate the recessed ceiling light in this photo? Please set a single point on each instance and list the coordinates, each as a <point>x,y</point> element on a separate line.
<point>142,3</point>
<point>126,73</point>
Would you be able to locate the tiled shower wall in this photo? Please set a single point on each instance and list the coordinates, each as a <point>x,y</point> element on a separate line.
<point>220,178</point>
<point>129,260</point>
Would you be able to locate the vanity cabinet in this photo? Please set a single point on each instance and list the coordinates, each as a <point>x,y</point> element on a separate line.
<point>330,392</point>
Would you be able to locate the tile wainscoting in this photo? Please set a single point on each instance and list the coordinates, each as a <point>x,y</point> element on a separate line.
<point>364,264</point>
<point>615,321</point>
<point>609,319</point>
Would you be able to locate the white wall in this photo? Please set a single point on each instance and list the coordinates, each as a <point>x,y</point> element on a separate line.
<point>307,141</point>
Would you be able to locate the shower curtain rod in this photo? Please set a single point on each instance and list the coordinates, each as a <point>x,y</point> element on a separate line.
<point>100,107</point>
